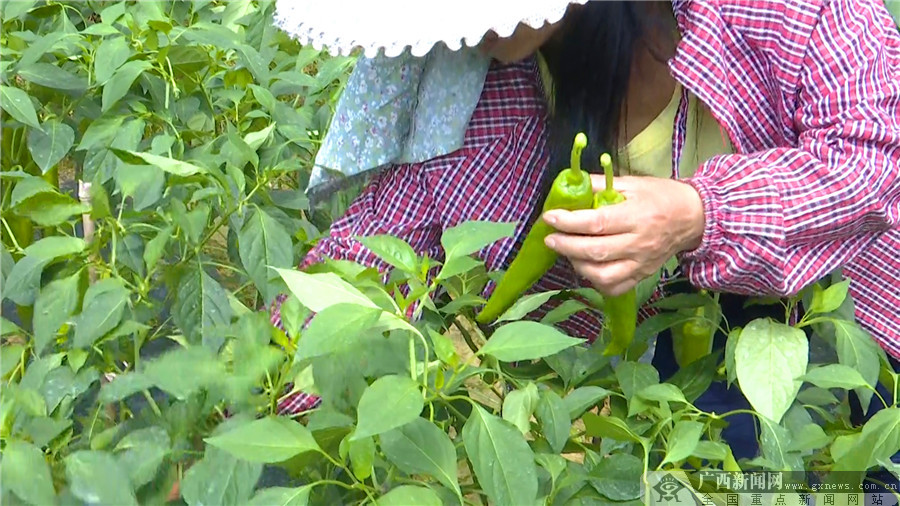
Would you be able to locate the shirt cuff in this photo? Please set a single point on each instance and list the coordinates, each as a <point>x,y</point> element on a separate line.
<point>712,230</point>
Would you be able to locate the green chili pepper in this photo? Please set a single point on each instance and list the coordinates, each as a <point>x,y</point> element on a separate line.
<point>695,339</point>
<point>571,190</point>
<point>620,312</point>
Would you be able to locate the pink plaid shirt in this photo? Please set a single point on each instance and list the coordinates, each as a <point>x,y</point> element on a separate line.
<point>808,92</point>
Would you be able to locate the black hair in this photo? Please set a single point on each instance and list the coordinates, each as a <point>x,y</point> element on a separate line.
<point>590,61</point>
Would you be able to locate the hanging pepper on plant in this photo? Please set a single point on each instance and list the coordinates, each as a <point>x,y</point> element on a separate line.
<point>571,191</point>
<point>619,312</point>
<point>695,339</point>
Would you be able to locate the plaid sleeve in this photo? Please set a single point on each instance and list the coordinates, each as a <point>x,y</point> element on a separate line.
<point>397,202</point>
<point>780,219</point>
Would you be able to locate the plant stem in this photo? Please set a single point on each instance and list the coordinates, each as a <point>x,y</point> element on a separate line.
<point>466,336</point>
<point>152,402</point>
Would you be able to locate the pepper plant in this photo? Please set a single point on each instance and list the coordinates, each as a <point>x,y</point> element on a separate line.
<point>137,367</point>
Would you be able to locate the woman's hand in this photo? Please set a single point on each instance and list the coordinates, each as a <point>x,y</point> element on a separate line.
<point>615,247</point>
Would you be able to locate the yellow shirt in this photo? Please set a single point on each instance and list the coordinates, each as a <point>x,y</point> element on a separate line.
<point>650,152</point>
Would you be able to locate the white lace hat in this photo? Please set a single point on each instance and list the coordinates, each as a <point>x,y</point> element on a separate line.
<point>392,26</point>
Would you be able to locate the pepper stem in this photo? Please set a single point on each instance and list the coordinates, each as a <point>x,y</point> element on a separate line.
<point>575,161</point>
<point>606,163</point>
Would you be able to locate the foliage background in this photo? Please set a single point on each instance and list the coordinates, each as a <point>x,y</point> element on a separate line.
<point>133,360</point>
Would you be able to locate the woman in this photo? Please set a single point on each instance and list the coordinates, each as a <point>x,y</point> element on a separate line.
<point>802,182</point>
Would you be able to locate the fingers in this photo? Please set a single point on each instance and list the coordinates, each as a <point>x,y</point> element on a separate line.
<point>597,249</point>
<point>623,184</point>
<point>611,278</point>
<point>617,219</point>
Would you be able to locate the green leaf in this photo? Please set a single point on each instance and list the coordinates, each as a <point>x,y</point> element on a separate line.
<point>183,371</point>
<point>407,495</point>
<point>220,479</point>
<point>76,359</point>
<point>774,441</point>
<point>563,311</point>
<point>519,405</point>
<point>318,291</point>
<point>27,474</point>
<point>29,187</point>
<point>576,364</point>
<point>553,414</point>
<point>362,456</point>
<point>44,430</point>
<point>266,440</point>
<point>10,356</point>
<point>392,250</point>
<point>104,304</point>
<point>456,266</point>
<point>18,104</point>
<point>711,450</point>
<point>13,10</point>
<point>681,301</point>
<point>730,345</point>
<point>419,447</point>
<point>444,348</point>
<point>201,305</point>
<point>390,402</point>
<point>769,360</point>
<point>109,56</point>
<point>809,437</point>
<point>469,237</point>
<point>683,441</point>
<point>124,386</point>
<point>696,378</point>
<point>584,398</point>
<point>609,426</point>
<point>294,200</point>
<point>501,458</point>
<point>553,464</point>
<point>52,76</point>
<point>634,377</point>
<point>52,308</point>
<point>141,452</point>
<point>121,81</point>
<point>830,299</point>
<point>256,139</point>
<point>618,477</point>
<point>336,329</point>
<point>526,305</point>
<point>817,397</point>
<point>879,440</point>
<point>170,165</point>
<point>143,183</point>
<point>835,376</point>
<point>662,392</point>
<point>857,349</point>
<point>50,144</point>
<point>50,209</point>
<point>62,382</point>
<point>281,496</point>
<point>156,247</point>
<point>95,477</point>
<point>526,340</point>
<point>57,246</point>
<point>263,243</point>
<point>38,48</point>
<point>101,132</point>
<point>29,399</point>
<point>23,281</point>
